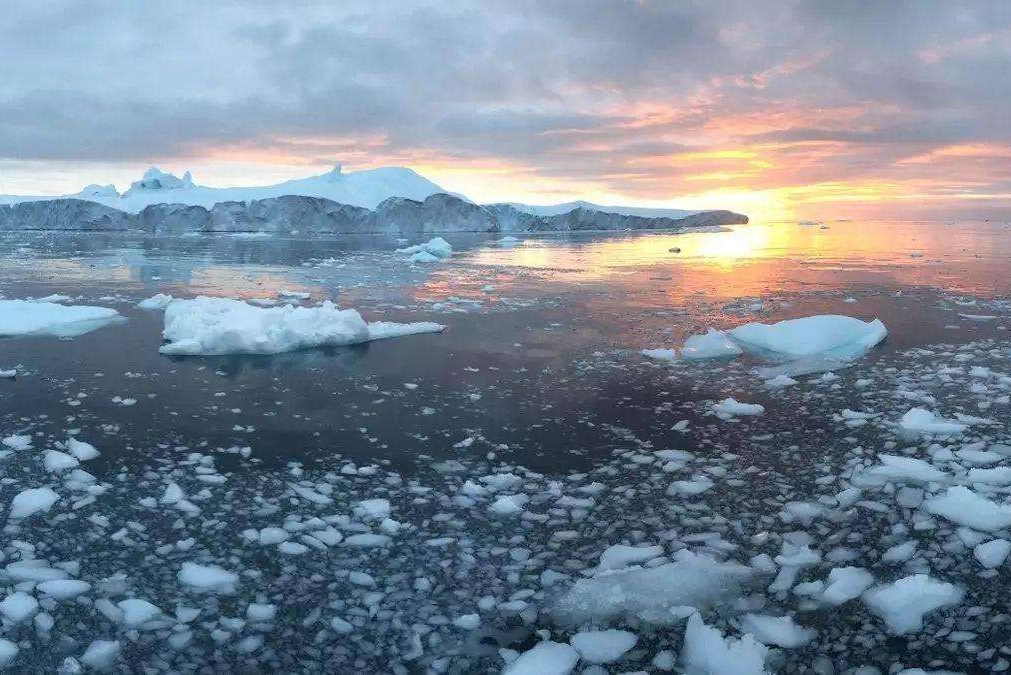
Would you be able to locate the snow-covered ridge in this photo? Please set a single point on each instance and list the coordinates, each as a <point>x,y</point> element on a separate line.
<point>566,207</point>
<point>395,195</point>
<point>366,189</point>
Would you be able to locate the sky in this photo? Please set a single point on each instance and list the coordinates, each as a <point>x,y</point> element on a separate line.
<point>794,109</point>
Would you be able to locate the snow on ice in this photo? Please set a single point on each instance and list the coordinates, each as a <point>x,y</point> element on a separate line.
<point>23,317</point>
<point>208,326</point>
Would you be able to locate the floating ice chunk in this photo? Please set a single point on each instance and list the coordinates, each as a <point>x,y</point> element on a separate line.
<point>903,604</point>
<point>160,301</point>
<point>19,606</point>
<point>8,652</point>
<point>20,317</point>
<point>294,295</point>
<point>17,442</point>
<point>714,344</point>
<point>603,646</point>
<point>977,457</point>
<point>652,594</point>
<point>830,335</point>
<point>779,381</point>
<point>311,495</point>
<point>259,613</point>
<point>81,450</point>
<point>997,476</point>
<point>922,421</point>
<point>101,654</point>
<point>780,631</point>
<point>690,487</point>
<point>962,506</point>
<point>508,505</point>
<point>435,248</point>
<point>367,540</point>
<point>8,374</point>
<point>993,553</point>
<point>31,501</point>
<point>373,509</point>
<point>547,658</point>
<point>660,354</point>
<point>467,621</point>
<point>33,570</point>
<point>846,583</point>
<point>707,652</point>
<point>803,513</point>
<point>898,468</point>
<point>730,407</point>
<point>619,556</point>
<point>137,612</point>
<point>208,578</point>
<point>64,589</point>
<point>208,326</point>
<point>292,548</point>
<point>424,257</point>
<point>55,461</point>
<point>900,552</point>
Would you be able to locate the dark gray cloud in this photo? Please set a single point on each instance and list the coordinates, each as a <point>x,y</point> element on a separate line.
<point>598,88</point>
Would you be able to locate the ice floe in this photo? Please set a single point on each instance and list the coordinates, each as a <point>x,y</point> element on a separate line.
<point>208,326</point>
<point>23,317</point>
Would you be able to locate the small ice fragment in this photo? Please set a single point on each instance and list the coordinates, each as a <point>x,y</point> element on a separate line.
<point>730,407</point>
<point>780,631</point>
<point>603,646</point>
<point>155,302</point>
<point>546,658</point>
<point>208,578</point>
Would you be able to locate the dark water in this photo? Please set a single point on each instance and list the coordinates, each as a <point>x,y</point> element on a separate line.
<point>538,371</point>
<point>521,363</point>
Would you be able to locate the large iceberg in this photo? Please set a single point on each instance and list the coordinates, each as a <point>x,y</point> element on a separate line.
<point>828,335</point>
<point>23,317</point>
<point>210,326</point>
<point>806,345</point>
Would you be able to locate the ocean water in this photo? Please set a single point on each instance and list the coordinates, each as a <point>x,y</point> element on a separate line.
<point>538,380</point>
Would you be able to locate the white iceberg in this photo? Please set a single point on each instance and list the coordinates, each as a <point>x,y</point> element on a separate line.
<point>366,188</point>
<point>807,345</point>
<point>829,336</point>
<point>432,250</point>
<point>210,326</point>
<point>21,317</point>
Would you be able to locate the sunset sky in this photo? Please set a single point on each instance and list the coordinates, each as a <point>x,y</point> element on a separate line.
<point>821,109</point>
